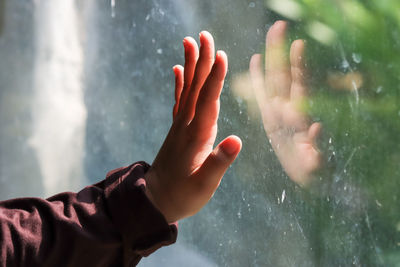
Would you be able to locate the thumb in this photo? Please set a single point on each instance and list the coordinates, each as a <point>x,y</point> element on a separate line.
<point>214,167</point>
<point>314,133</point>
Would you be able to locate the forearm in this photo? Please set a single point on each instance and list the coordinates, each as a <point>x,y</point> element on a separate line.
<point>107,224</point>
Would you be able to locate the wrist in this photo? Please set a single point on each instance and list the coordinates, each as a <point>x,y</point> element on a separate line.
<point>152,192</point>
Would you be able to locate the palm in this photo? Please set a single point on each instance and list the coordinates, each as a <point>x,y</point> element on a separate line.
<point>291,135</point>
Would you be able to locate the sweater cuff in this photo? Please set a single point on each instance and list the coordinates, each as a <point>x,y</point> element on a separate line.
<point>142,226</point>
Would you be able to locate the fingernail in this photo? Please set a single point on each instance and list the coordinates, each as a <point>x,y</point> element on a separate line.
<point>280,23</point>
<point>201,38</point>
<point>221,54</point>
<point>231,147</point>
<point>185,42</point>
<point>174,69</point>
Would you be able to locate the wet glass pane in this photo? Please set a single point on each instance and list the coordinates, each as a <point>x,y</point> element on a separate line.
<point>87,86</point>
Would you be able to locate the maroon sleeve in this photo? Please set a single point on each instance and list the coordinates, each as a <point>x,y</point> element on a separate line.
<point>111,223</point>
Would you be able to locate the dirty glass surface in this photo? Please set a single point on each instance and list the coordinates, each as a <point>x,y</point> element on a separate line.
<point>87,86</point>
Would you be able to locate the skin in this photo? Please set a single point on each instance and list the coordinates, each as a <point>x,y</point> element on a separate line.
<point>279,91</point>
<point>188,169</point>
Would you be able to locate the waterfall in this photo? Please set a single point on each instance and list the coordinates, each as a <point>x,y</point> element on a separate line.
<point>59,113</point>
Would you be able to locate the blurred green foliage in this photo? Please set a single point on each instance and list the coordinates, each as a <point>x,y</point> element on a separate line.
<point>358,43</point>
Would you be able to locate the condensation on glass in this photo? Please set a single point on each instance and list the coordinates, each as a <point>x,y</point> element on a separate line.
<point>87,86</point>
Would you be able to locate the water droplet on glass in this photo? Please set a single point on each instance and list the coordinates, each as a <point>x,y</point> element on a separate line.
<point>379,89</point>
<point>283,196</point>
<point>159,51</point>
<point>330,140</point>
<point>252,4</point>
<point>147,17</point>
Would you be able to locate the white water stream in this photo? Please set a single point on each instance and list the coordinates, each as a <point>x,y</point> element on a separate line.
<point>59,114</point>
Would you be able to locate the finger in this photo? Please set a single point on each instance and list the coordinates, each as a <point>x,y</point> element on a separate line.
<point>257,80</point>
<point>203,68</point>
<point>191,56</point>
<point>298,88</point>
<point>314,132</point>
<point>178,71</point>
<point>209,175</point>
<point>207,107</point>
<point>277,70</point>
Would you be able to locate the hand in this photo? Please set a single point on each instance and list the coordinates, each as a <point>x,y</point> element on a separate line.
<point>279,93</point>
<point>187,170</point>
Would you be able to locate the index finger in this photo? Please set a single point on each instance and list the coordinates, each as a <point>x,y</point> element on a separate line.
<point>277,71</point>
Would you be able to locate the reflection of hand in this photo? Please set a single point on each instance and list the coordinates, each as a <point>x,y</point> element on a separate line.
<point>187,171</point>
<point>279,94</point>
